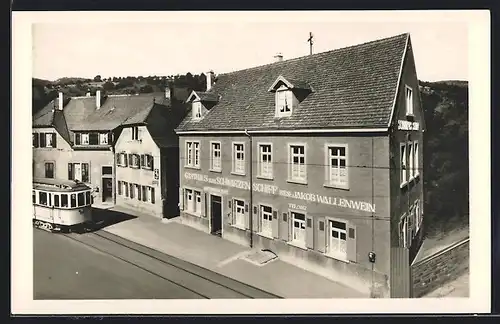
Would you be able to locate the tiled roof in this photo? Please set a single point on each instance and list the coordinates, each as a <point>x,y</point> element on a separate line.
<point>205,96</point>
<point>44,117</point>
<point>353,87</point>
<point>115,110</point>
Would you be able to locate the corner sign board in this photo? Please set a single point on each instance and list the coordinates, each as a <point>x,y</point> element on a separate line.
<point>407,125</point>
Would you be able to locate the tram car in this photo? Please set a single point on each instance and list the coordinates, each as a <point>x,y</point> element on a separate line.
<point>62,205</point>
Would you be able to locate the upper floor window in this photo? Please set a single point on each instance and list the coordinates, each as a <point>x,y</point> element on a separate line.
<point>92,138</point>
<point>196,109</point>
<point>410,160</point>
<point>216,163</point>
<point>337,174</point>
<point>402,164</point>
<point>415,160</point>
<point>297,163</point>
<point>78,171</point>
<point>284,101</point>
<point>85,139</point>
<point>147,161</point>
<point>103,139</point>
<point>49,170</point>
<point>44,140</point>
<point>238,158</point>
<point>409,101</point>
<point>265,161</point>
<point>135,133</point>
<point>192,154</point>
<point>134,160</point>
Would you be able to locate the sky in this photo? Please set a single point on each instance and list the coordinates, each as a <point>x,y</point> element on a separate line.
<point>86,48</point>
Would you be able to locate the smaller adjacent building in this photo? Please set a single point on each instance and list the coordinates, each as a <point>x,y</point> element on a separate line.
<point>147,160</point>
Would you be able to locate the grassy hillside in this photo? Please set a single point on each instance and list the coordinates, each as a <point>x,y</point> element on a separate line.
<point>44,91</point>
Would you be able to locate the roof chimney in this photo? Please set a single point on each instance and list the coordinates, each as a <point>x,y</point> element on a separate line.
<point>210,77</point>
<point>98,99</point>
<point>168,92</point>
<point>61,100</point>
<point>278,57</point>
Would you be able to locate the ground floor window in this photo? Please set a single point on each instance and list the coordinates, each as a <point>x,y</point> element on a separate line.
<point>119,188</point>
<point>337,239</point>
<point>298,228</point>
<point>193,201</point>
<point>239,212</point>
<point>266,214</point>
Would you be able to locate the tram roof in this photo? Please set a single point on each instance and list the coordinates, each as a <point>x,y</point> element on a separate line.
<point>58,185</point>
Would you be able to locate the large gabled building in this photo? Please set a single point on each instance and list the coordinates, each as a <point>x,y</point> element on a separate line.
<point>318,159</point>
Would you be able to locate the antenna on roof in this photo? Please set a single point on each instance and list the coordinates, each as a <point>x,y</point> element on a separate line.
<point>310,40</point>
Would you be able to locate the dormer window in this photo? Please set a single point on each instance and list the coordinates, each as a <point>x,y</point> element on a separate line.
<point>288,95</point>
<point>196,110</point>
<point>284,101</point>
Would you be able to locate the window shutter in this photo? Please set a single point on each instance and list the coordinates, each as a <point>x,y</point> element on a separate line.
<point>70,171</point>
<point>119,188</point>
<point>152,162</point>
<point>54,139</point>
<point>230,213</point>
<point>142,161</point>
<point>152,195</point>
<point>351,242</point>
<point>118,159</point>
<point>125,159</point>
<point>290,227</point>
<point>247,217</point>
<point>284,227</point>
<point>110,138</point>
<point>37,143</point>
<point>42,140</point>
<point>309,233</point>
<point>181,199</point>
<point>275,224</point>
<point>144,193</point>
<point>131,190</point>
<point>255,219</point>
<point>321,235</point>
<point>130,163</point>
<point>85,172</point>
<point>139,192</point>
<point>78,139</point>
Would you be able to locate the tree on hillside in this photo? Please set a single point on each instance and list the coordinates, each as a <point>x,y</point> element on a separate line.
<point>108,86</point>
<point>446,173</point>
<point>97,78</point>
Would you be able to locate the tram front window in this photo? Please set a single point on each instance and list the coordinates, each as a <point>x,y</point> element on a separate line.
<point>64,200</point>
<point>73,200</point>
<point>81,199</point>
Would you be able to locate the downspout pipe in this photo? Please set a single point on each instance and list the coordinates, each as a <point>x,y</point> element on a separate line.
<point>251,189</point>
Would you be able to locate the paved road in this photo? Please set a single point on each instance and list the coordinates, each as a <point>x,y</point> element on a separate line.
<point>103,266</point>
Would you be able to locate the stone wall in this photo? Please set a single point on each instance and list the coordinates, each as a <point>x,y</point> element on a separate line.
<point>440,267</point>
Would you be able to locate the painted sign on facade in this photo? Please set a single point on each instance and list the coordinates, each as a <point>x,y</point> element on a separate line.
<point>408,125</point>
<point>274,190</point>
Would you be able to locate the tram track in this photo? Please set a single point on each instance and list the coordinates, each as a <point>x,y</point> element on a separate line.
<point>186,278</point>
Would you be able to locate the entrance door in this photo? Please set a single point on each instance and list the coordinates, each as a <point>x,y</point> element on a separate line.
<point>216,215</point>
<point>107,189</point>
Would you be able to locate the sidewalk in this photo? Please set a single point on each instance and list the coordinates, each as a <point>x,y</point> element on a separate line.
<point>225,257</point>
